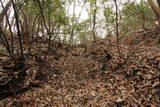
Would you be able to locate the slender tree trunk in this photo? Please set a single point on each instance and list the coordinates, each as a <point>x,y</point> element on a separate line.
<point>155,9</point>
<point>32,33</point>
<point>94,20</point>
<point>158,3</point>
<point>75,24</point>
<point>18,33</point>
<point>117,29</point>
<point>48,30</point>
<point>2,14</point>
<point>10,28</point>
<point>6,44</point>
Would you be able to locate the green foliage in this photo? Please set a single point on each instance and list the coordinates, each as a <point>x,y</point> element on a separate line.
<point>53,8</point>
<point>132,16</point>
<point>135,16</point>
<point>83,31</point>
<point>109,15</point>
<point>31,8</point>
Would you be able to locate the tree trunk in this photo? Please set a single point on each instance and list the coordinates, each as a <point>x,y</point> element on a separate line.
<point>158,3</point>
<point>2,14</point>
<point>16,15</point>
<point>155,8</point>
<point>117,30</point>
<point>94,20</point>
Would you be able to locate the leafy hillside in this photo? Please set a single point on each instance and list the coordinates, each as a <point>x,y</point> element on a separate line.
<point>92,75</point>
<point>79,53</point>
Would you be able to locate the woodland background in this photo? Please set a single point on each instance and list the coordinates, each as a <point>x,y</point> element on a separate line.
<point>80,53</point>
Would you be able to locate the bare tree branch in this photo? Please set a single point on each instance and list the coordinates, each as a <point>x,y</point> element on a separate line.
<point>2,14</point>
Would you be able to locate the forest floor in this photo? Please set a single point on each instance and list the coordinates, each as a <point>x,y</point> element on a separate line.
<point>93,75</point>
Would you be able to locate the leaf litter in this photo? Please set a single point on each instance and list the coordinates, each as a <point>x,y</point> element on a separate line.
<point>91,75</point>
